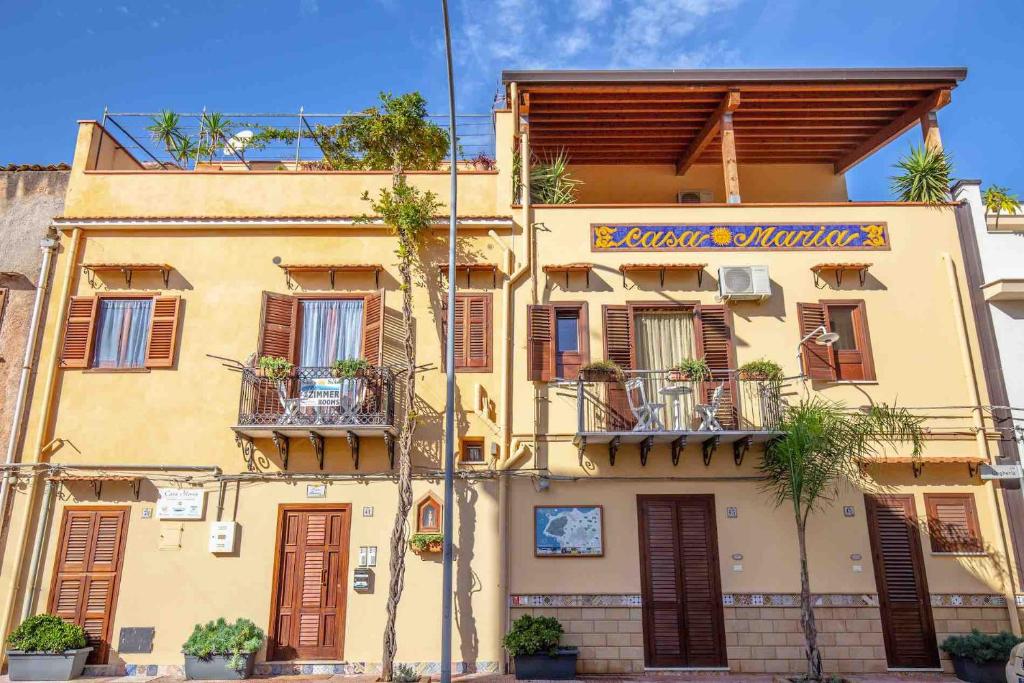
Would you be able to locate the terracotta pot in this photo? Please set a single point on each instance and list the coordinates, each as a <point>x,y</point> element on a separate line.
<point>429,548</point>
<point>601,376</point>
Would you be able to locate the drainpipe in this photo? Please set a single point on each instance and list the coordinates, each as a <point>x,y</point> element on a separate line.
<point>37,551</point>
<point>48,245</point>
<point>980,437</point>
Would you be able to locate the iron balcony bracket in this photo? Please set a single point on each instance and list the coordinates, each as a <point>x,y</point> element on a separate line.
<point>740,448</point>
<point>353,444</point>
<point>317,440</point>
<point>645,449</point>
<point>389,442</point>
<point>248,450</point>
<point>281,442</point>
<point>613,448</point>
<point>677,449</point>
<point>708,448</point>
<point>581,447</point>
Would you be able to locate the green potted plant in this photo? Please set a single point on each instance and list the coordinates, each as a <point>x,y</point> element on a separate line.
<point>218,650</point>
<point>275,368</point>
<point>426,543</point>
<point>761,369</point>
<point>690,370</point>
<point>533,643</point>
<point>601,371</point>
<point>350,367</point>
<point>46,648</point>
<point>980,657</point>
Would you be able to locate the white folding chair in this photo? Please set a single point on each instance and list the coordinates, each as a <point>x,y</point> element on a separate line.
<point>647,414</point>
<point>288,404</point>
<point>707,411</point>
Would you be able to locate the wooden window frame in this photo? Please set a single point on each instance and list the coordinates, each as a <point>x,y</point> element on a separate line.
<point>321,296</point>
<point>429,499</point>
<point>550,345</point>
<point>489,325</point>
<point>861,336</point>
<point>582,333</point>
<point>468,442</point>
<point>152,296</point>
<point>943,546</point>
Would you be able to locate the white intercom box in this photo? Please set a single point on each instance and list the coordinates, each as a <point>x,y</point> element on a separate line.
<point>223,536</point>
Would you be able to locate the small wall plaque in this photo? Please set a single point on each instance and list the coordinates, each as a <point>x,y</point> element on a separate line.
<point>362,580</point>
<point>367,511</point>
<point>316,490</point>
<point>136,640</point>
<point>732,513</point>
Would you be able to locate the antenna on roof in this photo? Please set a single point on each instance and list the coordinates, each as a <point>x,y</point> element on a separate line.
<point>237,144</point>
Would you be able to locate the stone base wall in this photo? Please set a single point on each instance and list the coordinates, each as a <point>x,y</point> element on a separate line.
<point>610,639</point>
<point>958,620</point>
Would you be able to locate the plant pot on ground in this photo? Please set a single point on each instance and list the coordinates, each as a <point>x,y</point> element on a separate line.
<point>980,657</point>
<point>218,650</point>
<point>533,644</point>
<point>762,370</point>
<point>601,371</point>
<point>46,648</point>
<point>690,370</point>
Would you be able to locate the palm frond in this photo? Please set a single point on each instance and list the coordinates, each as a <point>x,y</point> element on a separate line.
<point>926,176</point>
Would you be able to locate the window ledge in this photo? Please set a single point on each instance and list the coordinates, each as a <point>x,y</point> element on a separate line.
<point>99,371</point>
<point>973,553</point>
<point>854,382</point>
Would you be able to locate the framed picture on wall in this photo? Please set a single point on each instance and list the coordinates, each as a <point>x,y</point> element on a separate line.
<point>568,531</point>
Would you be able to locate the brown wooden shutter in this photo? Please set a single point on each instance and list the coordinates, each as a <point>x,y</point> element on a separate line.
<point>279,326</point>
<point>373,328</point>
<point>684,623</point>
<point>478,332</point>
<point>540,342</point>
<point>953,523</point>
<point>618,345</point>
<point>79,330</point>
<point>88,571</point>
<point>817,359</point>
<point>904,602</point>
<point>163,331</point>
<point>718,349</point>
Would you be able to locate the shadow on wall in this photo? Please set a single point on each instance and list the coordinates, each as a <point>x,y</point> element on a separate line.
<point>467,583</point>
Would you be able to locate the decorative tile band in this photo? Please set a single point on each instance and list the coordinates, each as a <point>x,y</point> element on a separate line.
<point>760,600</point>
<point>290,669</point>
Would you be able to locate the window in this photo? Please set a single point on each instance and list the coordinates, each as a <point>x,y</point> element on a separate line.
<point>121,332</point>
<point>472,332</point>
<point>428,515</point>
<point>849,358</point>
<point>472,450</point>
<point>953,523</point>
<point>557,344</point>
<point>316,331</point>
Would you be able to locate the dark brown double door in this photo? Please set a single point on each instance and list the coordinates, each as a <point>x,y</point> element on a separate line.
<point>308,619</point>
<point>904,602</point>
<point>683,619</point>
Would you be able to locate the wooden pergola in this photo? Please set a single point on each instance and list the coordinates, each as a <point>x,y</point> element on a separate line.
<point>726,116</point>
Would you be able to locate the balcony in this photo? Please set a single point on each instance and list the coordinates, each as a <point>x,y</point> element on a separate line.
<point>315,403</point>
<point>648,407</point>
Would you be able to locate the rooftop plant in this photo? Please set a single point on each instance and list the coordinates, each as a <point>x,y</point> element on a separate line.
<point>998,200</point>
<point>46,633</point>
<point>550,180</point>
<point>926,175</point>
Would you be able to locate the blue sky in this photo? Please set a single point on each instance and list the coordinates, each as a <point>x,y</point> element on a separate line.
<point>64,60</point>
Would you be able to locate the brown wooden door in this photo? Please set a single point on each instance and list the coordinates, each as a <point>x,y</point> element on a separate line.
<point>682,597</point>
<point>907,625</point>
<point>88,572</point>
<point>308,617</point>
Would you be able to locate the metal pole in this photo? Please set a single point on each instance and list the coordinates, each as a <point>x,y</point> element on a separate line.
<point>298,140</point>
<point>37,551</point>
<point>449,413</point>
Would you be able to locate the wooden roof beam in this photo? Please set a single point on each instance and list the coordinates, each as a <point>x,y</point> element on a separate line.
<point>936,100</point>
<point>711,129</point>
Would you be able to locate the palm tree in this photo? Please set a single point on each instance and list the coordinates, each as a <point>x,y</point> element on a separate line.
<point>998,199</point>
<point>926,176</point>
<point>823,446</point>
<point>166,129</point>
<point>185,148</point>
<point>218,128</point>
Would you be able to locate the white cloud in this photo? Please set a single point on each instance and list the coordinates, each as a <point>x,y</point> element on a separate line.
<point>590,10</point>
<point>309,8</point>
<point>122,9</point>
<point>659,33</point>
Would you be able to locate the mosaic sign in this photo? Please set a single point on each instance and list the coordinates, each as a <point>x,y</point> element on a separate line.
<point>739,237</point>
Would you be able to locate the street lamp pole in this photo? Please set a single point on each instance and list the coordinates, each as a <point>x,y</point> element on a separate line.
<point>449,413</point>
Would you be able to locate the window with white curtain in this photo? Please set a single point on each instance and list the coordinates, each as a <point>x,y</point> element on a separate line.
<point>663,338</point>
<point>122,333</point>
<point>332,329</point>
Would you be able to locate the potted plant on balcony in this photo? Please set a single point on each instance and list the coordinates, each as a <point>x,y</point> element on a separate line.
<point>218,650</point>
<point>423,544</point>
<point>980,657</point>
<point>46,648</point>
<point>601,371</point>
<point>275,368</point>
<point>533,643</point>
<point>690,370</point>
<point>349,368</point>
<point>762,369</point>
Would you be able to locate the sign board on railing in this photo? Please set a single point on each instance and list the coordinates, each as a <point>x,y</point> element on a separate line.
<point>1000,471</point>
<point>320,392</point>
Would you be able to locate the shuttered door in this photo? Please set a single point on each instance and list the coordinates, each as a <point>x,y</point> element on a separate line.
<point>309,600</point>
<point>817,359</point>
<point>907,625</point>
<point>682,600</point>
<point>88,572</point>
<point>718,349</point>
<point>618,347</point>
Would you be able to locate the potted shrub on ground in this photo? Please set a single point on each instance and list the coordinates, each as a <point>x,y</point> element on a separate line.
<point>601,371</point>
<point>762,369</point>
<point>218,650</point>
<point>980,657</point>
<point>349,368</point>
<point>690,370</point>
<point>46,648</point>
<point>426,543</point>
<point>275,368</point>
<point>533,643</point>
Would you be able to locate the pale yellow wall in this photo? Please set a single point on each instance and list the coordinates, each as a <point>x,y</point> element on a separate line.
<point>659,184</point>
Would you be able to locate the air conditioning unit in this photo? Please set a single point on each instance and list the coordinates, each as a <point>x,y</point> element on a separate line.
<point>695,197</point>
<point>744,283</point>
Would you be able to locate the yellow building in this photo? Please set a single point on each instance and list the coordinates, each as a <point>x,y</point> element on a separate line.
<point>166,481</point>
